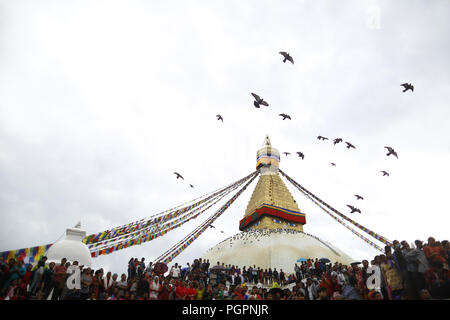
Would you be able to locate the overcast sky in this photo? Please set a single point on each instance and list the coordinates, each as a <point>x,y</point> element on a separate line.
<point>100,101</point>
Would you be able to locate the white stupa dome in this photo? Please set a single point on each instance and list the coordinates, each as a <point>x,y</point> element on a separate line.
<point>72,248</point>
<point>273,248</point>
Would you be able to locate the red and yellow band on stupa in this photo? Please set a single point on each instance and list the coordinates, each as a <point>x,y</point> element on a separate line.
<point>272,211</point>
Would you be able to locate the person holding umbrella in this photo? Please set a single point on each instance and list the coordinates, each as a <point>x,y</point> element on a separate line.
<point>322,265</point>
<point>298,272</point>
<point>160,268</point>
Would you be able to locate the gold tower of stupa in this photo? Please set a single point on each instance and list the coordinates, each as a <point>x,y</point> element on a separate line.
<point>271,205</point>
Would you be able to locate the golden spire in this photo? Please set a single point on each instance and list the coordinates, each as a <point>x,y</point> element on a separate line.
<point>271,205</point>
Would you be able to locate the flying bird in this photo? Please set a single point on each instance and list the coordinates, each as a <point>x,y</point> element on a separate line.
<point>407,86</point>
<point>358,197</point>
<point>219,117</point>
<point>385,173</point>
<point>301,155</point>
<point>322,138</point>
<point>191,185</point>
<point>286,153</point>
<point>333,164</point>
<point>353,209</point>
<point>258,101</point>
<point>285,116</point>
<point>349,145</point>
<point>337,140</point>
<point>286,56</point>
<point>179,175</point>
<point>211,226</point>
<point>391,151</point>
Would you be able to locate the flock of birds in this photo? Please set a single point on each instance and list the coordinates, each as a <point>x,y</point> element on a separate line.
<point>391,151</point>
<point>258,102</point>
<point>179,176</point>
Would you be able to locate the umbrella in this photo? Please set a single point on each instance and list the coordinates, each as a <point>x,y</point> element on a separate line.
<point>218,267</point>
<point>160,268</point>
<point>324,260</point>
<point>302,260</point>
<point>357,262</point>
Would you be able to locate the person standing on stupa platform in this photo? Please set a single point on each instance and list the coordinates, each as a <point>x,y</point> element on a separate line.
<point>282,278</point>
<point>434,252</point>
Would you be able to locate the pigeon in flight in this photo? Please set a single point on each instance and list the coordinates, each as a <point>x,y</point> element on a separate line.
<point>286,56</point>
<point>358,197</point>
<point>301,155</point>
<point>385,173</point>
<point>286,153</point>
<point>219,117</point>
<point>258,101</point>
<point>333,164</point>
<point>211,226</point>
<point>353,209</point>
<point>191,185</point>
<point>349,145</point>
<point>407,86</point>
<point>179,175</point>
<point>391,151</point>
<point>322,138</point>
<point>337,140</point>
<point>285,116</point>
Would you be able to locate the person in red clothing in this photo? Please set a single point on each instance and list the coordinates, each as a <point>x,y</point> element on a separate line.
<point>181,291</point>
<point>94,288</point>
<point>22,290</point>
<point>237,292</point>
<point>59,273</point>
<point>434,252</point>
<point>438,281</point>
<point>26,280</point>
<point>166,290</point>
<point>254,294</point>
<point>317,267</point>
<point>328,284</point>
<point>191,292</point>
<point>241,291</point>
<point>261,276</point>
<point>374,295</point>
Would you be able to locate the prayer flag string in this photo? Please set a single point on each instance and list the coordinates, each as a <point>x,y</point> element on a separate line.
<point>344,224</point>
<point>143,223</point>
<point>169,255</point>
<point>368,231</point>
<point>95,252</point>
<point>28,255</point>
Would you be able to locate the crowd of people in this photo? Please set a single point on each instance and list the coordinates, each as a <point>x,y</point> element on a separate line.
<point>420,272</point>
